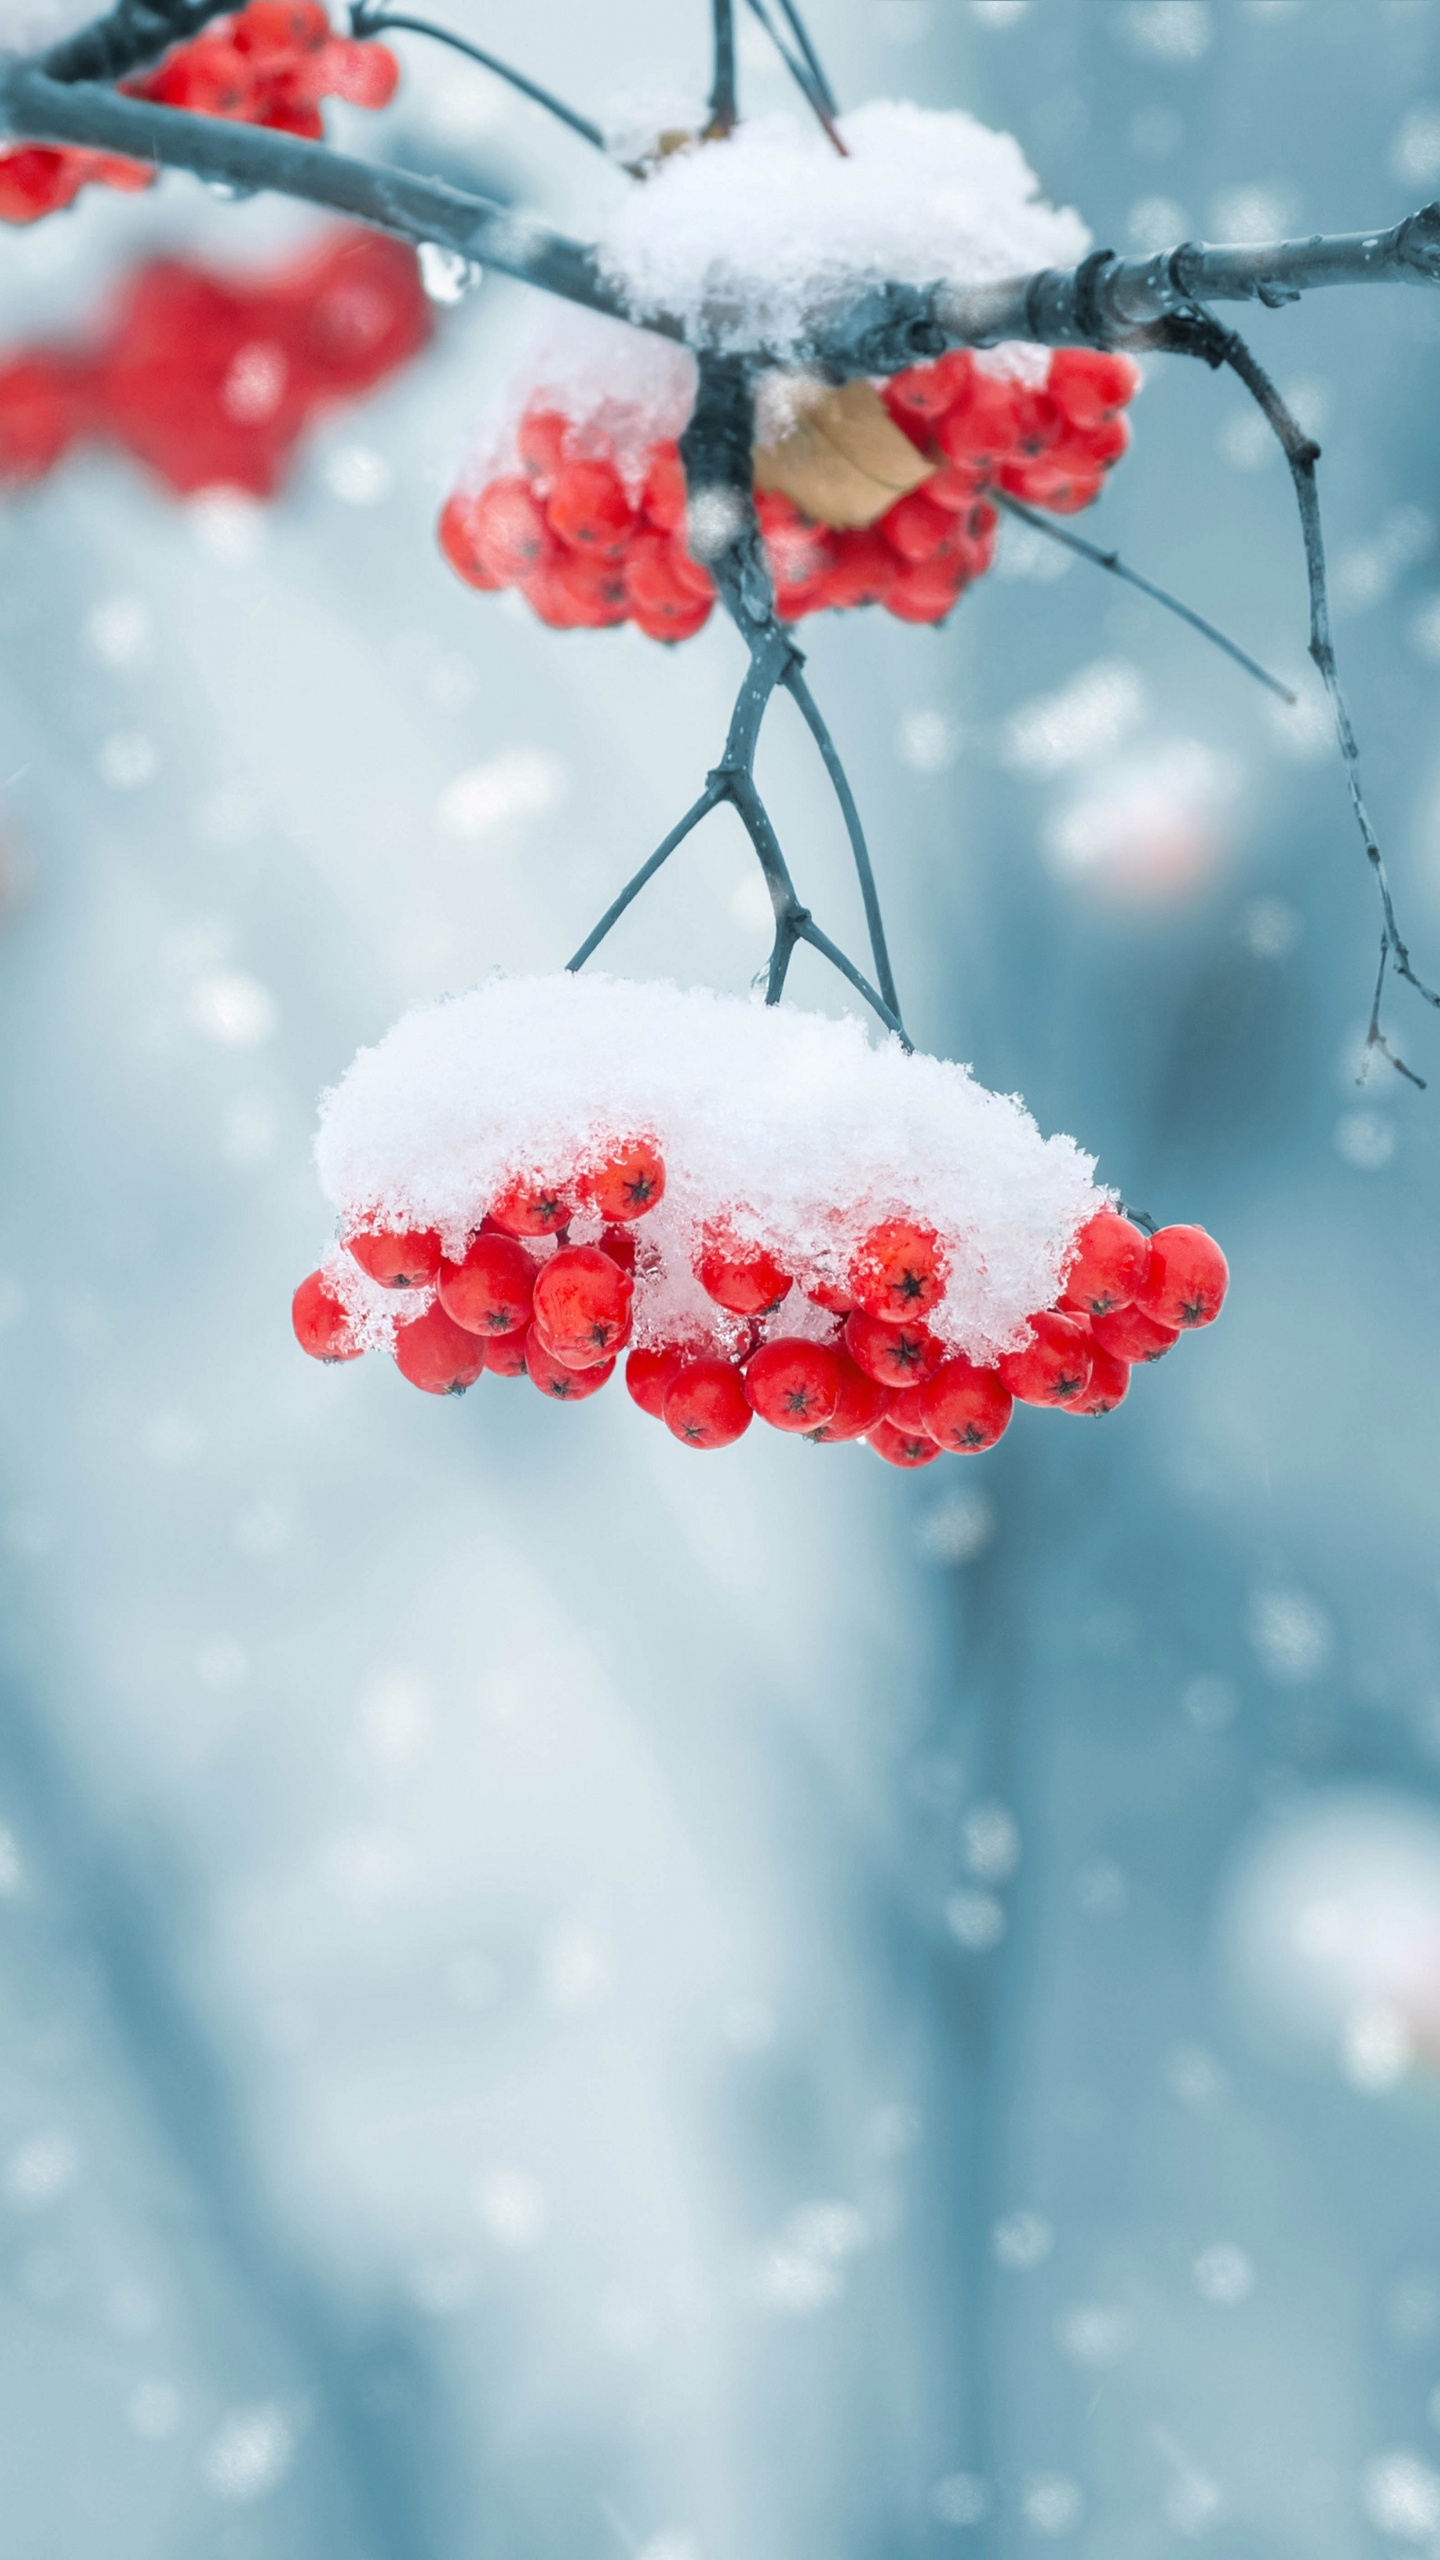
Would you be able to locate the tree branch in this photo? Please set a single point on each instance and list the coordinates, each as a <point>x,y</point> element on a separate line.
<point>134,32</point>
<point>723,108</point>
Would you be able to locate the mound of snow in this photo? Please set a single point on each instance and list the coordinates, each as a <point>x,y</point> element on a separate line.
<point>789,1127</point>
<point>757,236</point>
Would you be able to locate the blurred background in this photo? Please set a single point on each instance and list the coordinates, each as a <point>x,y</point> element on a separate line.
<point>560,2001</point>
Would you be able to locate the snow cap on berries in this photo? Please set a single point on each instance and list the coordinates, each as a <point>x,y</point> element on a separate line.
<point>757,236</point>
<point>791,1131</point>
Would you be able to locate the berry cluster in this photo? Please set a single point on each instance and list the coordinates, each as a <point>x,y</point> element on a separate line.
<point>524,1301</point>
<point>272,63</point>
<point>590,545</point>
<point>211,382</point>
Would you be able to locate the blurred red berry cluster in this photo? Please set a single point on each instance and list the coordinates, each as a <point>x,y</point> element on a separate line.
<point>587,548</point>
<point>211,381</point>
<point>523,1301</point>
<point>271,63</point>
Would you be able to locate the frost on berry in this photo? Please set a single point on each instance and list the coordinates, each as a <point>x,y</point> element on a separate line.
<point>630,1181</point>
<point>1185,1279</point>
<point>406,1260</point>
<point>437,1354</point>
<point>490,1291</point>
<point>582,1305</point>
<point>743,1278</point>
<point>792,1384</point>
<point>1054,1367</point>
<point>322,1325</point>
<point>1110,1262</point>
<point>899,1271</point>
<point>529,1206</point>
<point>705,1405</point>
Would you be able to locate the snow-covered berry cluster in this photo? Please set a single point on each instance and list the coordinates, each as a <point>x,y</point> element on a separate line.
<point>271,63</point>
<point>211,380</point>
<point>592,539</point>
<point>767,1214</point>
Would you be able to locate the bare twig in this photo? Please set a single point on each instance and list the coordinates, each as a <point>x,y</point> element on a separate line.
<point>134,32</point>
<point>797,28</point>
<point>723,108</point>
<point>715,449</point>
<point>820,105</point>
<point>1200,333</point>
<point>1112,561</point>
<point>365,21</point>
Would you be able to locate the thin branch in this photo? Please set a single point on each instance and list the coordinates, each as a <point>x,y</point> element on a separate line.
<point>366,22</point>
<point>1112,561</point>
<point>821,107</point>
<point>809,931</point>
<point>723,106</point>
<point>795,685</point>
<point>647,871</point>
<point>1224,346</point>
<point>797,28</point>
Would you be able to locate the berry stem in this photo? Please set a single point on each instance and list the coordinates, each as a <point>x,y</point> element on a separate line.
<point>1112,561</point>
<point>803,70</point>
<point>724,110</point>
<point>365,21</point>
<point>693,815</point>
<point>134,32</point>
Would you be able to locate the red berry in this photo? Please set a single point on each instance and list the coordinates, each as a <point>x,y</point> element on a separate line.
<point>1109,1384</point>
<point>901,1448</point>
<point>860,1403</point>
<point>650,1374</point>
<point>556,1378</point>
<point>619,1243</point>
<point>663,497</point>
<point>280,28</point>
<point>491,1289</point>
<point>792,1384</point>
<point>588,507</point>
<point>835,1301</point>
<point>511,537</point>
<point>981,425</point>
<point>1054,1367</point>
<point>507,1354</point>
<point>582,1304</point>
<point>898,1355</point>
<point>458,536</point>
<point>1185,1279</point>
<point>36,180</point>
<point>928,390</point>
<point>743,1277</point>
<point>364,75</point>
<point>45,402</point>
<point>928,593</point>
<point>965,1408</point>
<point>916,527</point>
<point>540,443</point>
<point>211,77</point>
<point>1131,1334</point>
<point>574,593</point>
<point>705,1405</point>
<point>322,1326</point>
<point>630,1181</point>
<point>437,1354</point>
<point>899,1271</point>
<point>863,571</point>
<point>396,1261</point>
<point>529,1207</point>
<point>1090,386</point>
<point>1109,1264</point>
